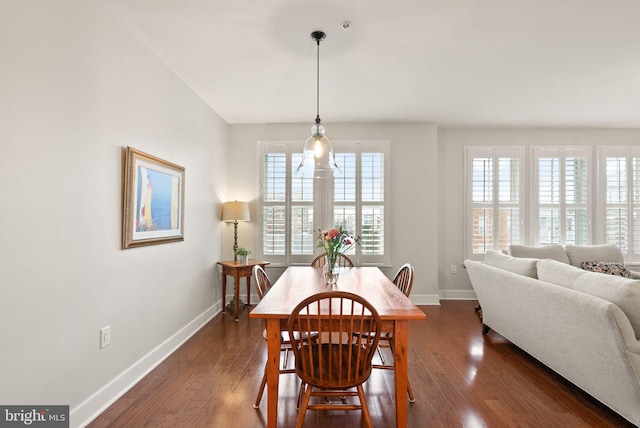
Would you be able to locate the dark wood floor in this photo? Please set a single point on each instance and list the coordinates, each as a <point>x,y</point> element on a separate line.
<point>460,378</point>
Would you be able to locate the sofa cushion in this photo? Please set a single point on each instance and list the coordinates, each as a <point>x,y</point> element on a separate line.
<point>599,253</point>
<point>552,251</point>
<point>521,266</point>
<point>609,268</point>
<point>558,273</point>
<point>625,293</point>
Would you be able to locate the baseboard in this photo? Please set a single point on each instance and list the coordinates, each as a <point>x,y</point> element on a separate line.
<point>425,299</point>
<point>93,406</point>
<point>458,295</point>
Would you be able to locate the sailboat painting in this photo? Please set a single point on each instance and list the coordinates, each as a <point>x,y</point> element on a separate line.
<point>153,200</point>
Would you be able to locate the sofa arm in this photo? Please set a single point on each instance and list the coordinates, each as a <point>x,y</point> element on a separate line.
<point>635,274</point>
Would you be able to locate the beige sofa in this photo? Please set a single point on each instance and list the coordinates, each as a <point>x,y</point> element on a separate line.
<point>583,325</point>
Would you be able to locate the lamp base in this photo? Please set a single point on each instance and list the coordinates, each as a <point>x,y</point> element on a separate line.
<point>235,240</point>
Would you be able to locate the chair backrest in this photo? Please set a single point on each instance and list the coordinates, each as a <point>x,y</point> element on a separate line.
<point>404,278</point>
<point>335,358</point>
<point>263,284</point>
<point>321,260</point>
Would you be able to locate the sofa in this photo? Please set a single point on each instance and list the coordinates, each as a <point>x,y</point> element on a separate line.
<point>583,325</point>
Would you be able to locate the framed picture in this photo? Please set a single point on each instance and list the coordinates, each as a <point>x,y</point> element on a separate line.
<point>153,205</point>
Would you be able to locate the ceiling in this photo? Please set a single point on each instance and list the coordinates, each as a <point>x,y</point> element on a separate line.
<point>552,63</point>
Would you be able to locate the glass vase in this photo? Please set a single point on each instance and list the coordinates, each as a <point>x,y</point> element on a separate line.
<point>330,272</point>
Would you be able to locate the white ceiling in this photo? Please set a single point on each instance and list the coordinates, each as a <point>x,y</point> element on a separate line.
<point>451,62</point>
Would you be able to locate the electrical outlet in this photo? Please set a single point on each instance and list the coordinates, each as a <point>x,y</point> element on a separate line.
<point>105,336</point>
<point>454,269</point>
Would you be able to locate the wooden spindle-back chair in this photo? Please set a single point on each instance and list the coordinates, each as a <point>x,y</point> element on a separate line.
<point>263,284</point>
<point>404,281</point>
<point>343,261</point>
<point>334,363</point>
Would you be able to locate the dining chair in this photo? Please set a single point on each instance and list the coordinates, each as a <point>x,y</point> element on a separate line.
<point>334,364</point>
<point>263,284</point>
<point>404,281</point>
<point>343,261</point>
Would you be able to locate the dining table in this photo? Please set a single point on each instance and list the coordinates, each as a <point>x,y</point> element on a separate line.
<point>299,282</point>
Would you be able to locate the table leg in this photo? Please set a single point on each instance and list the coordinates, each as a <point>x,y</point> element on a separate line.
<point>400,344</point>
<point>236,295</point>
<point>224,292</point>
<point>273,372</point>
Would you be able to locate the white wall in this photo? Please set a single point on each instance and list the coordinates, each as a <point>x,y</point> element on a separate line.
<point>75,89</point>
<point>413,189</point>
<point>451,144</point>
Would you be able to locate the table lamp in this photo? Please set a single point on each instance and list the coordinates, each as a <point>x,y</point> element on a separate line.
<point>235,211</point>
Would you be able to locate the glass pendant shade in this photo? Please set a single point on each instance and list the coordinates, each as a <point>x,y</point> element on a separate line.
<point>317,155</point>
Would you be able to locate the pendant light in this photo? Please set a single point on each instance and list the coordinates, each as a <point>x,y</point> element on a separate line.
<point>317,156</point>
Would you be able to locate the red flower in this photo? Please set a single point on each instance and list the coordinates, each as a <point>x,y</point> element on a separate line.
<point>333,233</point>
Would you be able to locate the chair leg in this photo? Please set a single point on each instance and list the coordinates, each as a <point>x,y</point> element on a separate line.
<point>303,407</point>
<point>256,405</point>
<point>365,407</point>
<point>380,355</point>
<point>300,394</point>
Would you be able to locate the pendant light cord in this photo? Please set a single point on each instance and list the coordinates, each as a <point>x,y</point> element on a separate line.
<point>318,83</point>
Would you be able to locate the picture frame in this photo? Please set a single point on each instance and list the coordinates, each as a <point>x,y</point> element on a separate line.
<point>153,200</point>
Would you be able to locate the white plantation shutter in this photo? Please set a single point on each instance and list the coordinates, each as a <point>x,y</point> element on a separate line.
<point>494,202</point>
<point>345,194</point>
<point>561,195</point>
<point>359,199</point>
<point>509,192</point>
<point>616,207</point>
<point>291,215</point>
<point>621,199</point>
<point>286,206</point>
<point>634,253</point>
<point>373,212</point>
<point>274,194</point>
<point>301,216</point>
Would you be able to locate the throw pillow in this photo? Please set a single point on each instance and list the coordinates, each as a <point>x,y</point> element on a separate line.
<point>558,273</point>
<point>609,268</point>
<point>551,251</point>
<point>521,266</point>
<point>583,253</point>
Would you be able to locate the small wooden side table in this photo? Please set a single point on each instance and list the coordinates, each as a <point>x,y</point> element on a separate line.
<point>238,270</point>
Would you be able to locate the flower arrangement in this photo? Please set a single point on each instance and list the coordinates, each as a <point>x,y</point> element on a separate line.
<point>335,242</point>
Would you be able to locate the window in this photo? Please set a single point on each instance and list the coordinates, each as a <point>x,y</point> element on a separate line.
<point>494,188</point>
<point>293,208</point>
<point>561,191</point>
<point>559,208</point>
<point>620,199</point>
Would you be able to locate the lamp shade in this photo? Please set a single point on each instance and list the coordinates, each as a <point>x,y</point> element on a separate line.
<point>235,211</point>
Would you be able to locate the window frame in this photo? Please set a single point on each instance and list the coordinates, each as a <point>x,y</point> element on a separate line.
<point>323,207</point>
<point>495,153</point>
<point>562,153</point>
<point>632,255</point>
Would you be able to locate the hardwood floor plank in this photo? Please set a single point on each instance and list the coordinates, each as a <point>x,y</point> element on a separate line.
<point>459,377</point>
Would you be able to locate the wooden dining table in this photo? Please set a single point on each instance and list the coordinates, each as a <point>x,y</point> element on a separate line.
<point>298,283</point>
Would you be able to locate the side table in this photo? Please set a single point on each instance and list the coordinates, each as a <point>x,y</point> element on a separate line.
<point>238,270</point>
